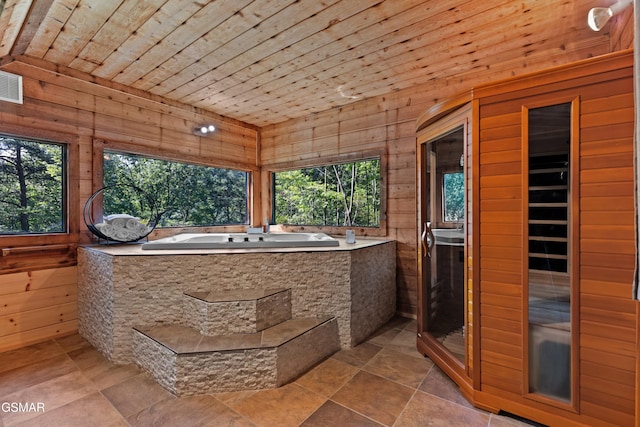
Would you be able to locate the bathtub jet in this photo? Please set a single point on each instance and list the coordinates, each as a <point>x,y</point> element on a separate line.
<point>241,241</point>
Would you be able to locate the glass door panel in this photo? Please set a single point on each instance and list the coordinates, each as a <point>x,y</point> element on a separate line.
<point>443,240</point>
<point>549,290</point>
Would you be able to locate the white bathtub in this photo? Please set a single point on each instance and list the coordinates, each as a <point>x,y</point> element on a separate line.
<point>241,240</point>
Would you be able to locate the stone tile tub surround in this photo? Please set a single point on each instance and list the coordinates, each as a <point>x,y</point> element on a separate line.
<point>121,286</point>
<point>188,363</point>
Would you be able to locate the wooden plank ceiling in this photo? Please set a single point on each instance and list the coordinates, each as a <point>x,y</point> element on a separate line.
<point>266,61</point>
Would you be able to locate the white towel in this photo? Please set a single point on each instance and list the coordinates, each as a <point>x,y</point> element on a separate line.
<point>132,223</point>
<point>122,227</point>
<point>120,220</point>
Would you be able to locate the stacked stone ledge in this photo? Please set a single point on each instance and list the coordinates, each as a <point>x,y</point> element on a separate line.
<point>257,344</point>
<point>236,312</point>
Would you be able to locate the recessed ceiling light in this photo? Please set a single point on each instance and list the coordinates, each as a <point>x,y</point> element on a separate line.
<point>203,129</point>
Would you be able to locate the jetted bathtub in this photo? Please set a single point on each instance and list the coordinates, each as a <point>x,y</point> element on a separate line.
<point>241,241</point>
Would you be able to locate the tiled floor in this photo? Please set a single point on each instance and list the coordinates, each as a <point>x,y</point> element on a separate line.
<point>382,382</point>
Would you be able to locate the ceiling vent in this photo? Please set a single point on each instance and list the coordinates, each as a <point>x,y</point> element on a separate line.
<point>10,87</point>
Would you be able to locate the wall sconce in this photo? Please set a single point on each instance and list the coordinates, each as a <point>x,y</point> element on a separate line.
<point>599,16</point>
<point>203,130</point>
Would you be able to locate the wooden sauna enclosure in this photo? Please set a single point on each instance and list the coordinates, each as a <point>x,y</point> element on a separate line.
<point>545,321</point>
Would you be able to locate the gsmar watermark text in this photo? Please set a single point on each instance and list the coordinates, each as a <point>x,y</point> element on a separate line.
<point>22,407</point>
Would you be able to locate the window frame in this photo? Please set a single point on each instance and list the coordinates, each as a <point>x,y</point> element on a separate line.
<point>28,252</point>
<point>40,241</point>
<point>573,237</point>
<point>100,146</point>
<point>379,231</point>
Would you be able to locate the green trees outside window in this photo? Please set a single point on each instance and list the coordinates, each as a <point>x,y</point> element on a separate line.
<point>453,190</point>
<point>346,194</point>
<point>32,186</point>
<point>185,194</point>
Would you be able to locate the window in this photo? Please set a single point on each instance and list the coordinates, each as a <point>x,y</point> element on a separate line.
<point>453,195</point>
<point>549,256</point>
<point>32,186</point>
<point>341,194</point>
<point>185,194</point>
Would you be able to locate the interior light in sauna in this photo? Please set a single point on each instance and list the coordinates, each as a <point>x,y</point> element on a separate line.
<point>599,16</point>
<point>203,130</point>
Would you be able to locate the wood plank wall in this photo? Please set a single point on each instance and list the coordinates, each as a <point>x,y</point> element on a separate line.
<point>605,250</point>
<point>39,304</point>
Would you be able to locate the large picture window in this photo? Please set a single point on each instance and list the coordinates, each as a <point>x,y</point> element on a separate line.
<point>341,194</point>
<point>185,194</point>
<point>32,186</point>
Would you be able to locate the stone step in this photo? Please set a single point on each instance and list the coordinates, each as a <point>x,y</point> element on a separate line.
<point>238,311</point>
<point>186,362</point>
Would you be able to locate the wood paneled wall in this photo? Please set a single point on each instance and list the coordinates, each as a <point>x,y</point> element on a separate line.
<point>40,304</point>
<point>37,305</point>
<point>603,255</point>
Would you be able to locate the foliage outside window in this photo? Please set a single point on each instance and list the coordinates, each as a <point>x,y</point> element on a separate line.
<point>32,186</point>
<point>453,195</point>
<point>185,194</point>
<point>345,194</point>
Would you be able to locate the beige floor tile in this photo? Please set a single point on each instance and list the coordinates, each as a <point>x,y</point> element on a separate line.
<point>405,342</point>
<point>286,406</point>
<point>383,336</point>
<point>233,396</point>
<point>53,394</point>
<point>98,369</point>
<point>372,384</point>
<point>411,326</point>
<point>439,412</point>
<point>375,397</point>
<point>358,356</point>
<point>399,367</point>
<point>402,323</point>
<point>327,377</point>
<point>438,384</point>
<point>30,375</point>
<point>25,356</point>
<point>333,415</point>
<point>72,342</point>
<point>203,410</point>
<point>93,409</point>
<point>135,394</point>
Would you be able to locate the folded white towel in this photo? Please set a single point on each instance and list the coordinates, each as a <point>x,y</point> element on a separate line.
<point>111,217</point>
<point>120,220</point>
<point>104,228</point>
<point>122,227</point>
<point>132,223</point>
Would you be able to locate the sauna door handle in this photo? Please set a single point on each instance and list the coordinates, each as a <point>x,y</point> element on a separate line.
<point>428,240</point>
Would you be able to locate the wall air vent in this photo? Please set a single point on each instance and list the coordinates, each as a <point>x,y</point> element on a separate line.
<point>10,87</point>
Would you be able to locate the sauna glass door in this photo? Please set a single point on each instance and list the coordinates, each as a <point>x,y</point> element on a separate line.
<point>549,254</point>
<point>443,241</point>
